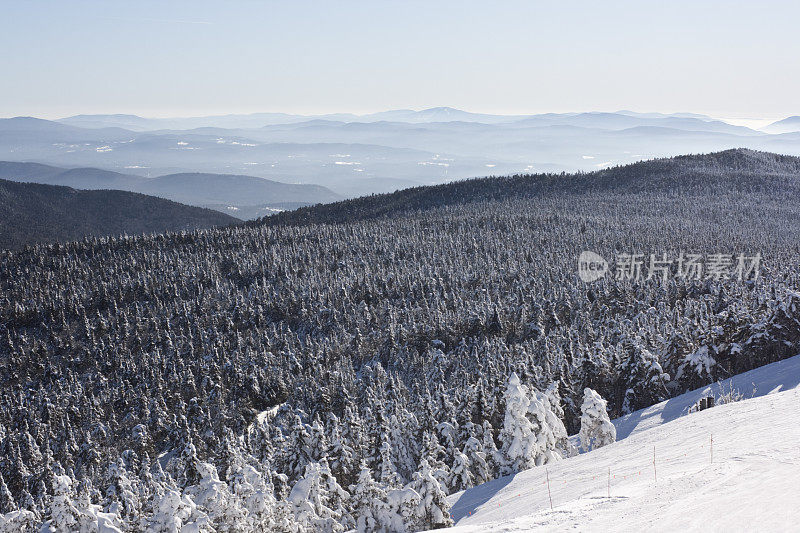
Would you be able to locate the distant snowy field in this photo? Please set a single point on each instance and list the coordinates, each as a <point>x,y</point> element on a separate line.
<point>753,483</point>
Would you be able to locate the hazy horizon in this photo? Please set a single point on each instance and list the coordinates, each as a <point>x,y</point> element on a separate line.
<point>743,119</point>
<point>185,59</point>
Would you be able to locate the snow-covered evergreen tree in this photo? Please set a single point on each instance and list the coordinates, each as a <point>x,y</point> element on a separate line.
<point>554,419</point>
<point>64,516</point>
<point>7,503</point>
<point>311,502</point>
<point>596,428</point>
<point>213,496</point>
<point>173,512</point>
<point>433,510</point>
<point>460,477</point>
<point>120,491</point>
<point>645,379</point>
<point>531,431</point>
<point>20,521</point>
<point>369,503</point>
<point>479,466</point>
<point>388,475</point>
<point>338,499</point>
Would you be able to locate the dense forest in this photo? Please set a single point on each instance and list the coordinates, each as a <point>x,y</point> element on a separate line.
<point>348,365</point>
<point>34,213</point>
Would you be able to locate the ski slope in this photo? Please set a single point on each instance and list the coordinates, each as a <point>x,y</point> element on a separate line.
<point>753,483</point>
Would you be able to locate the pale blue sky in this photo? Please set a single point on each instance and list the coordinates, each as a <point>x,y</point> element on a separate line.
<point>170,58</point>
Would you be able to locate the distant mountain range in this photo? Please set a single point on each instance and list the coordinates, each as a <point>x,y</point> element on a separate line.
<point>240,196</point>
<point>355,155</point>
<point>32,213</point>
<point>256,120</point>
<point>787,125</point>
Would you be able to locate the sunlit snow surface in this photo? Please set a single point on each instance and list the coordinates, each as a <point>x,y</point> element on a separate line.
<point>753,483</point>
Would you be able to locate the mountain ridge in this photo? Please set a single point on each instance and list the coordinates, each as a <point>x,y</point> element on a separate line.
<point>39,213</point>
<point>219,190</point>
<point>744,170</point>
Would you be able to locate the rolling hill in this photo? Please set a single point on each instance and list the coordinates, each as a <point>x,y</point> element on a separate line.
<point>240,196</point>
<point>735,170</point>
<point>237,190</point>
<point>77,178</point>
<point>33,213</point>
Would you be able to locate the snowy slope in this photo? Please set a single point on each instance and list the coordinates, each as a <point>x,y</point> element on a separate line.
<point>753,482</point>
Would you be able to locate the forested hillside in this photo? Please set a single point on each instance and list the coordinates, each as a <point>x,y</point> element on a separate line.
<point>732,170</point>
<point>33,213</point>
<point>296,375</point>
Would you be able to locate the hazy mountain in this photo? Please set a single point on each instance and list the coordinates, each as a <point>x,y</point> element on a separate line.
<point>257,120</point>
<point>130,122</point>
<point>32,212</point>
<point>77,178</point>
<point>30,129</point>
<point>376,153</point>
<point>664,115</point>
<point>137,123</point>
<point>620,121</point>
<point>240,196</point>
<point>437,114</point>
<point>787,125</point>
<point>235,190</point>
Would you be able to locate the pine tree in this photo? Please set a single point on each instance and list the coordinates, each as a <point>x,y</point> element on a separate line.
<point>518,435</point>
<point>596,428</point>
<point>119,490</point>
<point>213,496</point>
<point>369,503</point>
<point>433,509</point>
<point>645,380</point>
<point>64,516</point>
<point>298,453</point>
<point>479,466</point>
<point>7,503</point>
<point>310,502</point>
<point>387,473</point>
<point>172,512</point>
<point>493,456</point>
<point>338,499</point>
<point>460,477</point>
<point>528,435</point>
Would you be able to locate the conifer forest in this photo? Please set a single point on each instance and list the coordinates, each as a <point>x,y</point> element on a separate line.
<point>347,366</point>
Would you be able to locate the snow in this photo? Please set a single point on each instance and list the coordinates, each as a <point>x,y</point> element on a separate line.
<point>752,483</point>
<point>780,376</point>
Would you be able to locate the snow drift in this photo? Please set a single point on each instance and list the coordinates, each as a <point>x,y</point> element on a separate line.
<point>747,479</point>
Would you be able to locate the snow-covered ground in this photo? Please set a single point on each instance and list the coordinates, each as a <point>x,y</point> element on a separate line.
<point>753,483</point>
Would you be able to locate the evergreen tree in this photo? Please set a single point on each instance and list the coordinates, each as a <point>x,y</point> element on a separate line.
<point>311,505</point>
<point>528,435</point>
<point>596,428</point>
<point>432,510</point>
<point>212,495</point>
<point>479,466</point>
<point>460,477</point>
<point>370,505</point>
